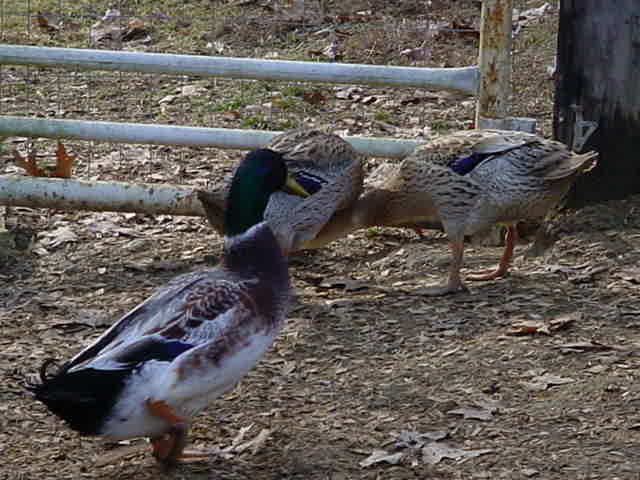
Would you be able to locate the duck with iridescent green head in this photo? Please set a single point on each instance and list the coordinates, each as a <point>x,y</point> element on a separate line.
<point>163,362</point>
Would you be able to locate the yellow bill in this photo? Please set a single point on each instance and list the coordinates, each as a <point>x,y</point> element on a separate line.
<point>294,188</point>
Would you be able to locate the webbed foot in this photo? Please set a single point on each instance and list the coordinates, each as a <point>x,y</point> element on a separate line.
<point>168,449</point>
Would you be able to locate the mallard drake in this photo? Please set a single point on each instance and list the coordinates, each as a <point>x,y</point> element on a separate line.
<point>325,165</point>
<point>167,359</point>
<point>466,182</point>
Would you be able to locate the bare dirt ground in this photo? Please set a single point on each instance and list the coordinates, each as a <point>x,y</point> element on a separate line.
<point>530,376</point>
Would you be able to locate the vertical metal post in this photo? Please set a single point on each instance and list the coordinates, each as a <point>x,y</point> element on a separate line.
<point>495,63</point>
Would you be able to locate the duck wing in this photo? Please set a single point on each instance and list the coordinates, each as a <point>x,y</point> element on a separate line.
<point>214,332</point>
<point>316,158</point>
<point>186,310</point>
<point>486,150</point>
<point>305,218</point>
<point>326,166</point>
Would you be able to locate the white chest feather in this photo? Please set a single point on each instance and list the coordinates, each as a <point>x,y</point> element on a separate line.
<point>187,385</point>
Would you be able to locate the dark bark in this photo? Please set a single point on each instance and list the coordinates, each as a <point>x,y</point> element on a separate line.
<point>599,70</point>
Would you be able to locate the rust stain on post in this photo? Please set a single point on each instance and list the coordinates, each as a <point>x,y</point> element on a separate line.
<point>494,60</point>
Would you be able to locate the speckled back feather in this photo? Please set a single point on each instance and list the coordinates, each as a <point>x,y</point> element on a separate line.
<point>309,154</point>
<point>523,177</point>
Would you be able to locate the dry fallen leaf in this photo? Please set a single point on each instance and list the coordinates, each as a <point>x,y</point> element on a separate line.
<point>331,51</point>
<point>631,274</point>
<point>436,451</point>
<point>119,454</point>
<point>255,443</point>
<point>563,321</point>
<point>314,97</point>
<point>192,90</point>
<point>94,317</point>
<point>474,413</point>
<point>239,445</point>
<point>528,327</point>
<point>344,283</point>
<point>407,439</point>
<point>29,164</point>
<point>591,346</point>
<point>381,456</point>
<point>64,161</point>
<point>110,29</point>
<point>238,439</point>
<point>530,472</point>
<point>524,18</point>
<point>59,236</point>
<point>345,93</point>
<point>425,445</point>
<point>541,383</point>
<point>415,54</point>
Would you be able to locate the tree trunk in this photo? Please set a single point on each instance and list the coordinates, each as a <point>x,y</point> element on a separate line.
<point>599,78</point>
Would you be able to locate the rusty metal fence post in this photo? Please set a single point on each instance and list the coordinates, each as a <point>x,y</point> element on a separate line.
<point>494,60</point>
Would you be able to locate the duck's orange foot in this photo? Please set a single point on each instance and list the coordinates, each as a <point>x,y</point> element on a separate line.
<point>168,448</point>
<point>502,269</point>
<point>162,446</point>
<point>169,451</point>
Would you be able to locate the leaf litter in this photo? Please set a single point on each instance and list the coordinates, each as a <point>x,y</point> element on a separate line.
<point>351,367</point>
<point>427,447</point>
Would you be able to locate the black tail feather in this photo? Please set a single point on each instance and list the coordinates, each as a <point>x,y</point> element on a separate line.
<point>84,398</point>
<point>43,372</point>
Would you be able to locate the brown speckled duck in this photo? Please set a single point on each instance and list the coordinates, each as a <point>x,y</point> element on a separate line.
<point>467,182</point>
<point>325,165</point>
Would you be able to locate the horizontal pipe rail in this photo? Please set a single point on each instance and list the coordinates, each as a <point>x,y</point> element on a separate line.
<point>98,196</point>
<point>461,79</point>
<point>175,135</point>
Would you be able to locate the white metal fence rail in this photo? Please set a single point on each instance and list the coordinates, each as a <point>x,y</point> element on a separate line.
<point>490,82</point>
<point>139,133</point>
<point>463,79</point>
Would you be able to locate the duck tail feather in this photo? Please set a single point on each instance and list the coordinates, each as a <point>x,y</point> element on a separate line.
<point>83,398</point>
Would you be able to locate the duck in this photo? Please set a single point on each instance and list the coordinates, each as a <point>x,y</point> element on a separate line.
<point>325,165</point>
<point>162,363</point>
<point>464,183</point>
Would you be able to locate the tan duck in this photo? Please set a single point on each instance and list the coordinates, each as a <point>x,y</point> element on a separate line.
<point>325,165</point>
<point>466,182</point>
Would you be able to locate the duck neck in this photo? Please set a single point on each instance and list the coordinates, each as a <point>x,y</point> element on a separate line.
<point>365,212</point>
<point>255,258</point>
<point>246,204</point>
<point>389,208</point>
<point>371,210</point>
<point>255,252</point>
